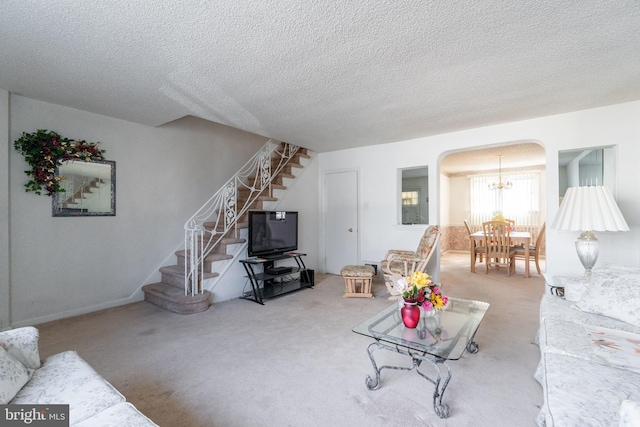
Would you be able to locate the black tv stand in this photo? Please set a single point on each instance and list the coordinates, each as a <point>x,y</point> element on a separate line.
<point>274,271</point>
<point>276,281</point>
<point>271,257</point>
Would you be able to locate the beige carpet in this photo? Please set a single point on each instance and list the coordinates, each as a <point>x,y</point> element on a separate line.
<point>295,361</point>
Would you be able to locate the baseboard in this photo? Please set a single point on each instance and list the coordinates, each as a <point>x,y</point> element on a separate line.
<point>138,296</point>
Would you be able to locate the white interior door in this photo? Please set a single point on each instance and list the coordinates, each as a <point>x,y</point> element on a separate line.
<point>341,220</point>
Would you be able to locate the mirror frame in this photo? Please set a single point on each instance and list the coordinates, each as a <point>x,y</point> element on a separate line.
<point>57,197</point>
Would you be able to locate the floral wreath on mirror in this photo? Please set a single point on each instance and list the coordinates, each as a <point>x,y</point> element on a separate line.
<point>43,150</point>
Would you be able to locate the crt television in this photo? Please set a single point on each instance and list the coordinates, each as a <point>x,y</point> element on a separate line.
<point>272,233</point>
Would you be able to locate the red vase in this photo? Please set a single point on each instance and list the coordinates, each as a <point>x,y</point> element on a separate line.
<point>410,314</point>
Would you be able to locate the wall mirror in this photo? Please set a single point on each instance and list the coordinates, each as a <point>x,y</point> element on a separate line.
<point>585,167</point>
<point>414,195</point>
<point>89,189</point>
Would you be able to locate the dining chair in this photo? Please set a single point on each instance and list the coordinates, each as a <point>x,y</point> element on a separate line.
<point>497,242</point>
<point>478,250</point>
<point>534,249</point>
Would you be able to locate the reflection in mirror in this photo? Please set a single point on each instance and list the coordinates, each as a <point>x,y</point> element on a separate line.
<point>414,195</point>
<point>89,189</point>
<point>585,167</point>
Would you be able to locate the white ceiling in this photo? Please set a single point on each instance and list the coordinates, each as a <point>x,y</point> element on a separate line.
<point>513,157</point>
<point>323,74</point>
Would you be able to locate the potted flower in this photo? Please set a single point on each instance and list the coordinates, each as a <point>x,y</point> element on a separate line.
<point>421,292</point>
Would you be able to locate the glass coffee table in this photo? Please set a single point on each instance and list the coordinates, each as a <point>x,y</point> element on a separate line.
<point>437,339</point>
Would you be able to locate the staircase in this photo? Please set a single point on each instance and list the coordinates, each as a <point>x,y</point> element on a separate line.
<point>217,225</point>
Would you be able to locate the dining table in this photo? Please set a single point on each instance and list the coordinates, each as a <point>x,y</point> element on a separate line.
<point>523,237</point>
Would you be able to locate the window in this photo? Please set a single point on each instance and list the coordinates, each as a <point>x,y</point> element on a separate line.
<point>520,203</point>
<point>409,198</point>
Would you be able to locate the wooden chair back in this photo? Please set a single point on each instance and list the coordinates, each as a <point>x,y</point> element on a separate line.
<point>497,242</point>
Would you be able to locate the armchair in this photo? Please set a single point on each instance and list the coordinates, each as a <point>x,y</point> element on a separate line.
<point>399,263</point>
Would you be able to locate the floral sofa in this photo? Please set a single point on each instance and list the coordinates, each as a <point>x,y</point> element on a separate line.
<point>590,350</point>
<point>64,378</point>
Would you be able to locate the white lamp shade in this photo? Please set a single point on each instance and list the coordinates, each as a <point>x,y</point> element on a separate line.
<point>589,209</point>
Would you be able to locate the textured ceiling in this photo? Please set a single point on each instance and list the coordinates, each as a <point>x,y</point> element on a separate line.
<point>323,74</point>
<point>514,157</point>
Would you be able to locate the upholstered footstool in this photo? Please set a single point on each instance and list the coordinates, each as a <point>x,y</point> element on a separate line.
<point>357,280</point>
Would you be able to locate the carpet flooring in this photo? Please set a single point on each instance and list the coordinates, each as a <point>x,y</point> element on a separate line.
<point>296,362</point>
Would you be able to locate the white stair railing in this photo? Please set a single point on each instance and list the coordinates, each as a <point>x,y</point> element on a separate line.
<point>220,214</point>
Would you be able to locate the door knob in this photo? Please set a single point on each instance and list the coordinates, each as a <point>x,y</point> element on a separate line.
<point>351,230</point>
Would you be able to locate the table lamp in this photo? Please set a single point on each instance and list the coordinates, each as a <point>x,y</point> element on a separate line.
<point>588,209</point>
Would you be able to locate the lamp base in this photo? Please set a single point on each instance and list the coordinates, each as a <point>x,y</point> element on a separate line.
<point>587,247</point>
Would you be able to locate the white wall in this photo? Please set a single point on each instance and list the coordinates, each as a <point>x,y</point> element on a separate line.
<point>616,124</point>
<point>460,200</point>
<point>70,265</point>
<point>66,266</point>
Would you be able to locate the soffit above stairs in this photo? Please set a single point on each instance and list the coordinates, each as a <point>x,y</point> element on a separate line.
<point>324,75</point>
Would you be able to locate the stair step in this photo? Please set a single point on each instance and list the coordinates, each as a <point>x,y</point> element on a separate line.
<point>173,275</point>
<point>177,270</point>
<point>209,226</point>
<point>209,258</point>
<point>173,299</point>
<point>169,293</point>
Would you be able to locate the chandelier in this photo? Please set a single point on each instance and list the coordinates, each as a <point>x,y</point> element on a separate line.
<point>500,185</point>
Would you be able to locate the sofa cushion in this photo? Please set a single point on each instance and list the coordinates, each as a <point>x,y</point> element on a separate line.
<point>22,343</point>
<point>593,343</point>
<point>581,393</point>
<point>13,376</point>
<point>552,307</point>
<point>617,297</point>
<point>122,415</point>
<point>614,347</point>
<point>65,378</point>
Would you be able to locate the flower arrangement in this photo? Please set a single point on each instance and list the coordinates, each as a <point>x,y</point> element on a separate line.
<point>498,217</point>
<point>44,150</point>
<point>419,287</point>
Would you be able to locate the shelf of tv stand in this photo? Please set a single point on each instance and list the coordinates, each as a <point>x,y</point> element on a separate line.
<point>271,287</point>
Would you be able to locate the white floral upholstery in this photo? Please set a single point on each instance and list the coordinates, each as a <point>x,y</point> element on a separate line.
<point>614,296</point>
<point>576,340</point>
<point>553,307</point>
<point>581,393</point>
<point>588,365</point>
<point>13,375</point>
<point>122,414</point>
<point>22,343</point>
<point>64,378</point>
<point>574,287</point>
<point>630,414</point>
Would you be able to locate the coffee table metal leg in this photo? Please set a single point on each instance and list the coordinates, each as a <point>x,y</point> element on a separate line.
<point>441,410</point>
